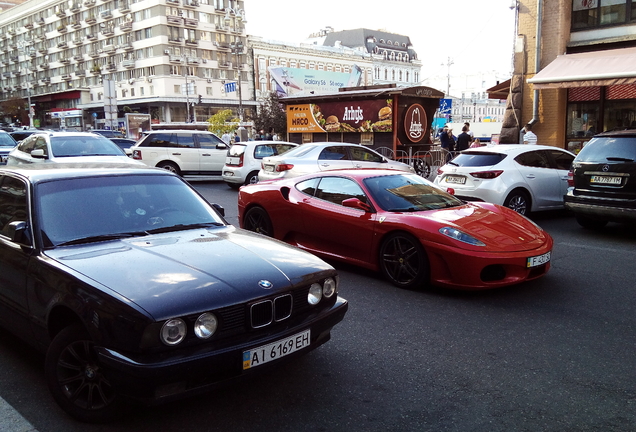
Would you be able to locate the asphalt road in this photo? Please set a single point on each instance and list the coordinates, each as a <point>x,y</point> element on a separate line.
<point>556,354</point>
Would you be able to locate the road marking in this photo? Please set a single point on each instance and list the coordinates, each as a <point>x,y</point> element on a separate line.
<point>11,420</point>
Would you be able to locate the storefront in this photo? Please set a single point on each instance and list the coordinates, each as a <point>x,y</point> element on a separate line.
<point>601,91</point>
<point>378,116</point>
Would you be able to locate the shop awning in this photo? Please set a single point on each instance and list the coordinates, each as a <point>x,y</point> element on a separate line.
<point>499,91</point>
<point>598,68</point>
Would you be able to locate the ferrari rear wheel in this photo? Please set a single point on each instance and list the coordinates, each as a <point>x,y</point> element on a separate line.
<point>257,220</point>
<point>403,261</point>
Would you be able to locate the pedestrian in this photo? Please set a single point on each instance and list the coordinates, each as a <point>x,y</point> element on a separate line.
<point>476,143</point>
<point>448,142</point>
<point>443,138</point>
<point>236,138</point>
<point>468,131</point>
<point>226,137</point>
<point>463,140</point>
<point>529,137</point>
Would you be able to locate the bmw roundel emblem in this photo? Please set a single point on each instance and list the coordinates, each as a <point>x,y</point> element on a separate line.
<point>265,284</point>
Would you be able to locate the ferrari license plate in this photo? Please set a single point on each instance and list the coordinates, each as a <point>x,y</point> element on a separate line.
<point>455,179</point>
<point>605,180</point>
<point>266,353</point>
<point>538,260</point>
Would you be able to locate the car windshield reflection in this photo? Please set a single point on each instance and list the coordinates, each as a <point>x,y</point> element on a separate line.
<point>408,193</point>
<point>77,211</point>
<point>71,146</point>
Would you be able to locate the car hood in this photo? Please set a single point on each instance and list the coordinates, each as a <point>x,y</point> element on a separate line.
<point>185,272</point>
<point>91,159</point>
<point>501,229</point>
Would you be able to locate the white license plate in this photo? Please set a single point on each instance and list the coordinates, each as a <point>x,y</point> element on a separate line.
<point>455,179</point>
<point>4,158</point>
<point>266,353</point>
<point>538,260</point>
<point>605,180</point>
<point>232,161</point>
<point>269,168</point>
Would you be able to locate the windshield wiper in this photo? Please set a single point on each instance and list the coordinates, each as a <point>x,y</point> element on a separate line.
<point>619,159</point>
<point>103,237</point>
<point>181,227</point>
<point>452,163</point>
<point>408,209</point>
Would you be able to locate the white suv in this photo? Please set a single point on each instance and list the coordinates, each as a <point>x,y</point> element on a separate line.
<point>243,161</point>
<point>184,152</point>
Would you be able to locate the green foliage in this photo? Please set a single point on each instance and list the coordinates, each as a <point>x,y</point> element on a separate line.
<point>223,122</point>
<point>271,115</point>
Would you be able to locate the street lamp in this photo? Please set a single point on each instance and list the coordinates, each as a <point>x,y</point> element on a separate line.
<point>237,50</point>
<point>22,45</point>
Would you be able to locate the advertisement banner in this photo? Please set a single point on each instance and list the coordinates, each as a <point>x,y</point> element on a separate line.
<point>297,82</point>
<point>358,116</point>
<point>136,124</point>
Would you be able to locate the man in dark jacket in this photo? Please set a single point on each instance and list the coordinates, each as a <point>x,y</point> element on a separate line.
<point>463,140</point>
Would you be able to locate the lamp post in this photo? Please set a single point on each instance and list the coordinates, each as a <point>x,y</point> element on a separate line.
<point>22,45</point>
<point>237,50</point>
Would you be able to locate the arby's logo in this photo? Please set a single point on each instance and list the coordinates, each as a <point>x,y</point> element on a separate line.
<point>415,123</point>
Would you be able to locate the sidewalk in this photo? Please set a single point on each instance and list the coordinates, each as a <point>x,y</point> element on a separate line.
<point>12,421</point>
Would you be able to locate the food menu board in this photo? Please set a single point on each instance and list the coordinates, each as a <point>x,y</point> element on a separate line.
<point>357,116</point>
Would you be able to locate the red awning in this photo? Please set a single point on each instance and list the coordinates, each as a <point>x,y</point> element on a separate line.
<point>598,68</point>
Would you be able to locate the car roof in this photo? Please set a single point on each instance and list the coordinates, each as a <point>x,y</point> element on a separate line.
<point>66,134</point>
<point>512,148</point>
<point>37,173</point>
<point>618,133</point>
<point>177,131</point>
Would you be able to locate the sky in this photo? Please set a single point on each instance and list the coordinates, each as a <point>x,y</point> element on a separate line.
<point>477,36</point>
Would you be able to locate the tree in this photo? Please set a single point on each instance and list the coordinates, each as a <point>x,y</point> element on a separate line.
<point>271,116</point>
<point>222,122</point>
<point>16,109</point>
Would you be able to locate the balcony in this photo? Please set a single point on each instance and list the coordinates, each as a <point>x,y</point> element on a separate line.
<point>43,50</point>
<point>105,14</point>
<point>65,60</point>
<point>175,59</point>
<point>174,2</point>
<point>62,29</point>
<point>192,42</point>
<point>108,31</point>
<point>40,22</point>
<point>191,3</point>
<point>109,49</point>
<point>44,66</point>
<point>78,58</point>
<point>96,70</point>
<point>128,64</point>
<point>111,67</point>
<point>78,40</point>
<point>46,80</point>
<point>62,44</point>
<point>192,22</point>
<point>192,60</point>
<point>28,26</point>
<point>75,7</point>
<point>222,28</point>
<point>15,59</point>
<point>126,26</point>
<point>126,46</point>
<point>61,13</point>
<point>223,45</point>
<point>93,54</point>
<point>175,40</point>
<point>173,19</point>
<point>76,25</point>
<point>224,64</point>
<point>91,19</point>
<point>66,77</point>
<point>124,7</point>
<point>11,31</point>
<point>91,37</point>
<point>80,73</point>
<point>89,3</point>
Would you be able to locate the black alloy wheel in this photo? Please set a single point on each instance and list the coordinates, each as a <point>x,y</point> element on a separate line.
<point>519,201</point>
<point>76,380</point>
<point>403,261</point>
<point>257,220</point>
<point>422,168</point>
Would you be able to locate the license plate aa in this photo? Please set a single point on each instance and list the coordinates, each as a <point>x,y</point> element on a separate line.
<point>455,179</point>
<point>538,260</point>
<point>266,353</point>
<point>605,180</point>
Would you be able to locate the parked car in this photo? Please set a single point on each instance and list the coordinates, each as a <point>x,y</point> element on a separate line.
<point>184,152</point>
<point>243,160</point>
<point>7,143</point>
<point>21,134</point>
<point>400,224</point>
<point>314,157</point>
<point>129,282</point>
<point>108,133</point>
<point>67,147</point>
<point>125,144</point>
<point>521,177</point>
<point>603,180</point>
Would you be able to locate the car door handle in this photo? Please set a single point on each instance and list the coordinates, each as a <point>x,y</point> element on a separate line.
<point>324,164</point>
<point>176,154</point>
<point>358,165</point>
<point>530,176</point>
<point>206,154</point>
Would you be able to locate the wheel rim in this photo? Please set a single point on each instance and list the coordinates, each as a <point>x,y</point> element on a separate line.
<point>422,168</point>
<point>80,377</point>
<point>170,168</point>
<point>257,221</point>
<point>518,203</point>
<point>401,260</point>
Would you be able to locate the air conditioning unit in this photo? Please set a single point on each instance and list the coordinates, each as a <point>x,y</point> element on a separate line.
<point>131,80</point>
<point>166,52</point>
<point>149,80</point>
<point>204,60</point>
<point>209,80</point>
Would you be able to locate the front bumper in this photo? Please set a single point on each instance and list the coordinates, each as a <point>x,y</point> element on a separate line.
<point>618,210</point>
<point>152,381</point>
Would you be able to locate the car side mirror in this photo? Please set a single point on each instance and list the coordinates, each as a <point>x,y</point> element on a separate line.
<point>38,153</point>
<point>221,146</point>
<point>18,233</point>
<point>219,208</point>
<point>356,204</point>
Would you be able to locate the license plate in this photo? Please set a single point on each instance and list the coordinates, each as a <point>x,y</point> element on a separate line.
<point>606,180</point>
<point>538,260</point>
<point>455,179</point>
<point>4,158</point>
<point>267,353</point>
<point>232,161</point>
<point>269,168</point>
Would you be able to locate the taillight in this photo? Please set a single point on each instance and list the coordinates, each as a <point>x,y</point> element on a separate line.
<point>440,171</point>
<point>487,174</point>
<point>571,178</point>
<point>284,167</point>
<point>136,154</point>
<point>240,161</point>
<point>450,191</point>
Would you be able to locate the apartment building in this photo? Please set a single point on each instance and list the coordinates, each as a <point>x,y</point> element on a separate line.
<point>574,70</point>
<point>158,55</point>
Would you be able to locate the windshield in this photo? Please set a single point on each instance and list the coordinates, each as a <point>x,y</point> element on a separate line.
<point>84,145</point>
<point>603,149</point>
<point>123,205</point>
<point>408,192</point>
<point>300,151</point>
<point>7,141</point>
<point>477,159</point>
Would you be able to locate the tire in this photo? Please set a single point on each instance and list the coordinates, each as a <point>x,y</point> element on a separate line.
<point>403,261</point>
<point>170,166</point>
<point>519,201</point>
<point>590,223</point>
<point>234,186</point>
<point>252,178</point>
<point>76,380</point>
<point>422,168</point>
<point>256,219</point>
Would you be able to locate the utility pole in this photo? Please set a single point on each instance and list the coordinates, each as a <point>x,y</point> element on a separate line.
<point>449,63</point>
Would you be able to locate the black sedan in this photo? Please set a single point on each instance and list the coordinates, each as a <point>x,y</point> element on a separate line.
<point>138,290</point>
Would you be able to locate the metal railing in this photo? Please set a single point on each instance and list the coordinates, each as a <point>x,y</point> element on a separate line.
<point>425,163</point>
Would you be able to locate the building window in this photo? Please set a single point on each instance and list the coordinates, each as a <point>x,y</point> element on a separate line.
<point>588,14</point>
<point>177,89</point>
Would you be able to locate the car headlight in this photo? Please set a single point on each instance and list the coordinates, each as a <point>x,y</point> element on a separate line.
<point>173,331</point>
<point>315,294</point>
<point>329,287</point>
<point>206,325</point>
<point>456,234</point>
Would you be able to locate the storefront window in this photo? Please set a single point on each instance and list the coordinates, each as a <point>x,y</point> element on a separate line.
<point>584,14</point>
<point>582,119</point>
<point>594,13</point>
<point>613,11</point>
<point>620,114</point>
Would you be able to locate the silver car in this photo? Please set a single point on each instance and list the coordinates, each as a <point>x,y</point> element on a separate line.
<point>313,157</point>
